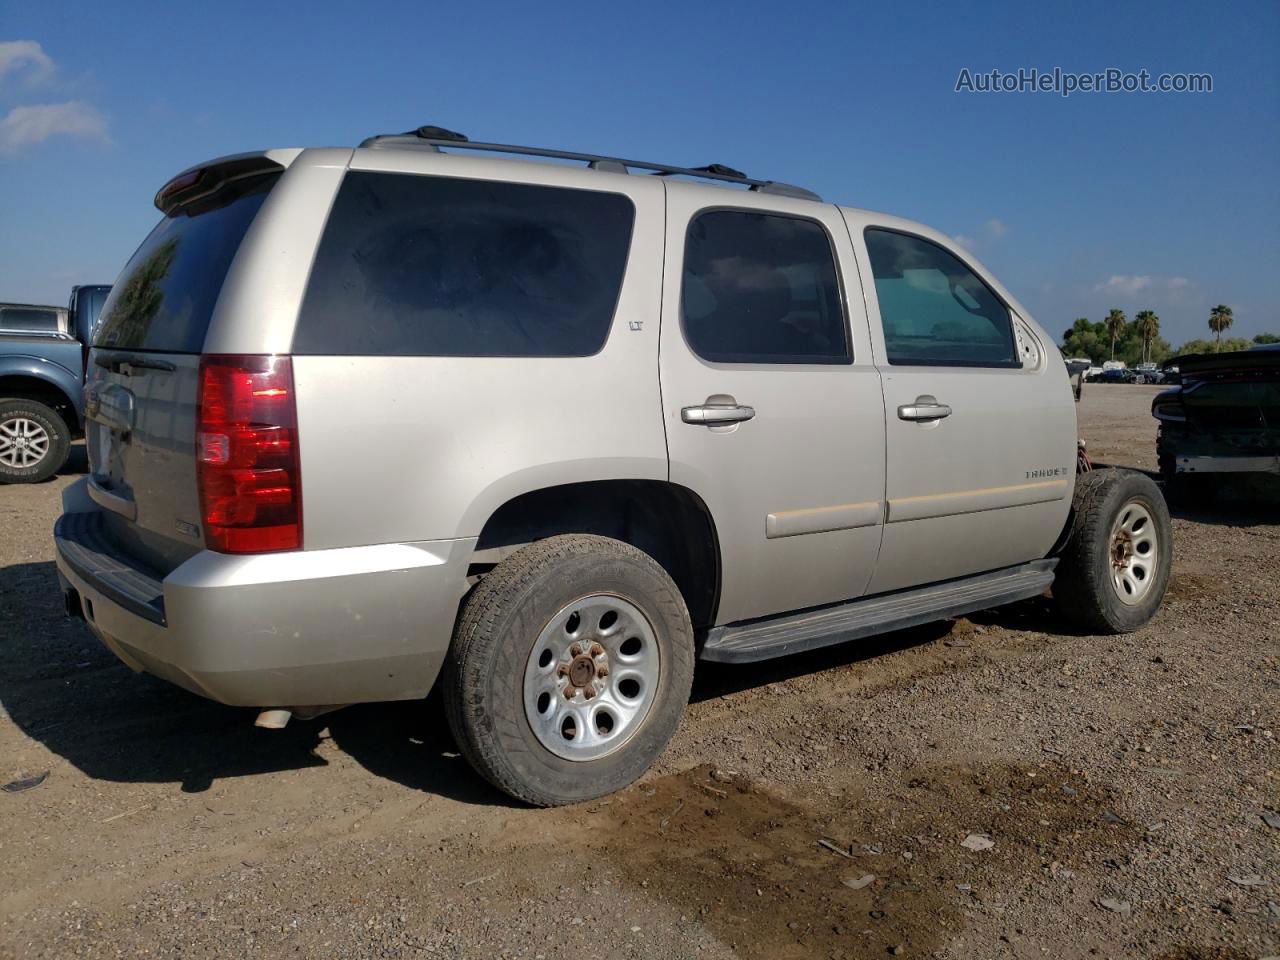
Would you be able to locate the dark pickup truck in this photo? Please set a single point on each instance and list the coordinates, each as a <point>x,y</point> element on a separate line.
<point>43,352</point>
<point>1223,419</point>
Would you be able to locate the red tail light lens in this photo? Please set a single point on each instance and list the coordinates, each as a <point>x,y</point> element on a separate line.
<point>247,455</point>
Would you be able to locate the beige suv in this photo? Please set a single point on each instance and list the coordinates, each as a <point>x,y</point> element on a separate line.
<point>547,433</point>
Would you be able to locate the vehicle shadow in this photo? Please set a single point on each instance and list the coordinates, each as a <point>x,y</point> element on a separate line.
<point>77,461</point>
<point>1238,501</point>
<point>61,687</point>
<point>1033,615</point>
<point>1224,500</point>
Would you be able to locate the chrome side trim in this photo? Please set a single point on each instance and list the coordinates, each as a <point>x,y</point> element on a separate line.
<point>975,501</point>
<point>847,516</point>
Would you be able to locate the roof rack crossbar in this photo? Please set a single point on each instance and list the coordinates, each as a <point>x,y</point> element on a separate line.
<point>595,161</point>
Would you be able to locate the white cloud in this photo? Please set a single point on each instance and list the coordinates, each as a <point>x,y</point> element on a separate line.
<point>1124,284</point>
<point>26,126</point>
<point>992,230</point>
<point>19,55</point>
<point>1156,289</point>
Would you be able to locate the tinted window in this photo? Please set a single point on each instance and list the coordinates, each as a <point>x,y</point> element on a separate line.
<point>96,301</point>
<point>761,288</point>
<point>29,319</point>
<point>164,298</point>
<point>436,266</point>
<point>934,309</point>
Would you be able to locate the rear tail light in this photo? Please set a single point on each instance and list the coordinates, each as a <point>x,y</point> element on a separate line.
<point>247,455</point>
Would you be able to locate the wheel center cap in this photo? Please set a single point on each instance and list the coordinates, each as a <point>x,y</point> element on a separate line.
<point>581,671</point>
<point>1121,550</point>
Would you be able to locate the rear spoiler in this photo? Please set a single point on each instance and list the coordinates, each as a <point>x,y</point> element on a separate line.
<point>206,179</point>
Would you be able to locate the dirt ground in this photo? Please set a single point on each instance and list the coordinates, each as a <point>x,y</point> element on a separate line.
<point>810,807</point>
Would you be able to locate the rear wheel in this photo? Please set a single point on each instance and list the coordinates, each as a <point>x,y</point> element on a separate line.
<point>1114,570</point>
<point>569,670</point>
<point>34,441</point>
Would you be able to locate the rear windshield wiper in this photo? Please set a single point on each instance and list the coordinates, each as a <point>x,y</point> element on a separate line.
<point>127,364</point>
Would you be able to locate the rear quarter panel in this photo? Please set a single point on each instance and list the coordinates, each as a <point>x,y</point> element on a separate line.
<point>397,449</point>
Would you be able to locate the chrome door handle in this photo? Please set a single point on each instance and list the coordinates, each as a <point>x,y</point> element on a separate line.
<point>715,414</point>
<point>924,408</point>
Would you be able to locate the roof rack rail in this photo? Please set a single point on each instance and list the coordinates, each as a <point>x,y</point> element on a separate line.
<point>433,138</point>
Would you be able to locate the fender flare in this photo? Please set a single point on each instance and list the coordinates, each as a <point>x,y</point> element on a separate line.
<point>66,382</point>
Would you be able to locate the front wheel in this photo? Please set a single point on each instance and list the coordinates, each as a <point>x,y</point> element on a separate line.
<point>34,441</point>
<point>1114,570</point>
<point>569,670</point>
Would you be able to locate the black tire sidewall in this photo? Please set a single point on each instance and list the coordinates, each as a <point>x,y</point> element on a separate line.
<point>59,440</point>
<point>513,758</point>
<point>1087,582</point>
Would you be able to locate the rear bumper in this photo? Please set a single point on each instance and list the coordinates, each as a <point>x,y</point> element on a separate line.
<point>1201,464</point>
<point>304,628</point>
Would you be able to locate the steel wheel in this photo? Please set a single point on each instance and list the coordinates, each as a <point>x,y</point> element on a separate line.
<point>23,442</point>
<point>1134,553</point>
<point>591,677</point>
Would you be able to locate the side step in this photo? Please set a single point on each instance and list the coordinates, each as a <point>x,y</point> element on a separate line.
<point>778,636</point>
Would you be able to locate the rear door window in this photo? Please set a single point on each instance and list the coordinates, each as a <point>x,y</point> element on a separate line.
<point>413,265</point>
<point>761,288</point>
<point>164,298</point>
<point>936,311</point>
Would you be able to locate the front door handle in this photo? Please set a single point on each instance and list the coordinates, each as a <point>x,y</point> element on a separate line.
<point>717,411</point>
<point>924,408</point>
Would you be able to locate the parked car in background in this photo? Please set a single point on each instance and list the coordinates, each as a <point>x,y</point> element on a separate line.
<point>1147,373</point>
<point>43,353</point>
<point>551,433</point>
<point>1224,418</point>
<point>1115,375</point>
<point>1077,370</point>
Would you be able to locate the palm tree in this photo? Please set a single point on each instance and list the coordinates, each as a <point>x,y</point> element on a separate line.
<point>1147,324</point>
<point>1220,318</point>
<point>1115,326</point>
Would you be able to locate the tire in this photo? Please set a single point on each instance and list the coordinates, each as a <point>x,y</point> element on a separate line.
<point>1105,581</point>
<point>28,427</point>
<point>512,660</point>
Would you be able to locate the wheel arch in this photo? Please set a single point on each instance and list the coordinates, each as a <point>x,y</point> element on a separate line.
<point>669,522</point>
<point>31,378</point>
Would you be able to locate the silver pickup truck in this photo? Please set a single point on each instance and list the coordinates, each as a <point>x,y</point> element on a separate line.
<point>361,422</point>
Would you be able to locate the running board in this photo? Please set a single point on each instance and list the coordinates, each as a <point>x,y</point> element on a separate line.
<point>770,637</point>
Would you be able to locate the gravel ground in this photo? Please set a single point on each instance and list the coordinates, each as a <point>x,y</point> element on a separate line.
<point>996,786</point>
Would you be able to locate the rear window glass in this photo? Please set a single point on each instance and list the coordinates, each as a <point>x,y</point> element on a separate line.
<point>437,266</point>
<point>164,298</point>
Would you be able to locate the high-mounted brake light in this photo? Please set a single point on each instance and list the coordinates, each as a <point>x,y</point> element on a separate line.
<point>247,454</point>
<point>180,183</point>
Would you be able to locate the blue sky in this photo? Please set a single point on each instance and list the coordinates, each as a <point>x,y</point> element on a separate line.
<point>1159,200</point>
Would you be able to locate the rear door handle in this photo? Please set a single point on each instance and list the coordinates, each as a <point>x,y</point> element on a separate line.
<point>924,408</point>
<point>723,410</point>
